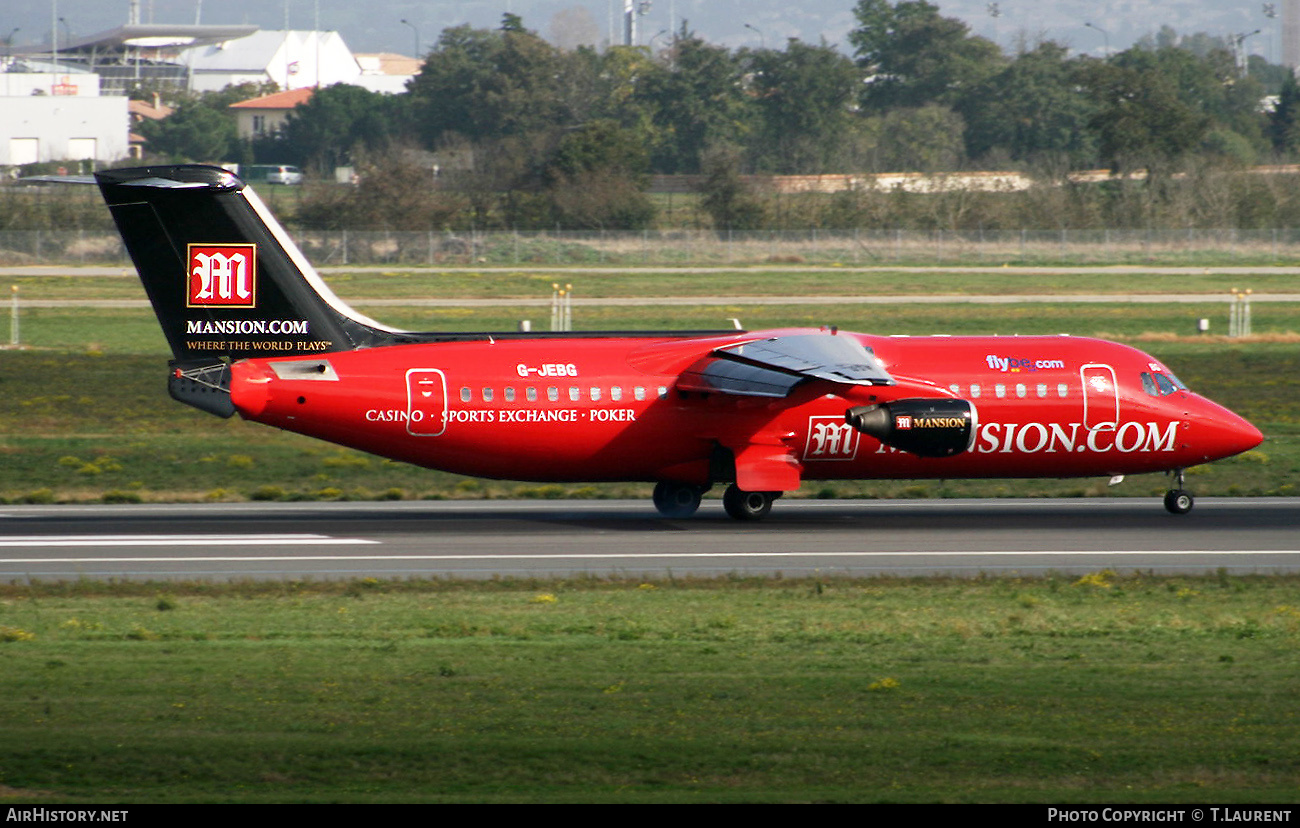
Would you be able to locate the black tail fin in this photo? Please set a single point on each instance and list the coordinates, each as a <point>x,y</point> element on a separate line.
<point>223,277</point>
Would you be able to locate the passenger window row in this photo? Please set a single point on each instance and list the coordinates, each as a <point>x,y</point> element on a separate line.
<point>574,393</point>
<point>1041,390</point>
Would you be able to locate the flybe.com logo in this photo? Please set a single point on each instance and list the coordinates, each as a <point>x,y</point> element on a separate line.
<point>222,275</point>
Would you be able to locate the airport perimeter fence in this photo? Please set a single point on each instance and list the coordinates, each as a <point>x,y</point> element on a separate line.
<point>675,248</point>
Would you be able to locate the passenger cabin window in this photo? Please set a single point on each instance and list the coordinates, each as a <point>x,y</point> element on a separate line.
<point>531,394</point>
<point>487,395</point>
<point>510,394</point>
<point>466,395</point>
<point>552,393</point>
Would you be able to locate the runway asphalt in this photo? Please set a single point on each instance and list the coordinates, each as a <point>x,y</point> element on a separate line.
<point>627,539</point>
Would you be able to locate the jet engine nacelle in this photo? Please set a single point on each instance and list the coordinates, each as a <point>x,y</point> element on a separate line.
<point>924,427</point>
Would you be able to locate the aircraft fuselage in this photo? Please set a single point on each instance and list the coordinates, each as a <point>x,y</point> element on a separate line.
<point>559,409</point>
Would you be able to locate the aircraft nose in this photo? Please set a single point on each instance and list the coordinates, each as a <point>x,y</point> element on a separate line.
<point>1228,433</point>
<point>1246,435</point>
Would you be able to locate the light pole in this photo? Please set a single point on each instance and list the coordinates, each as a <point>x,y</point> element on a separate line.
<point>1239,51</point>
<point>762,41</point>
<point>417,36</point>
<point>657,35</point>
<point>1270,11</point>
<point>54,37</point>
<point>1105,34</point>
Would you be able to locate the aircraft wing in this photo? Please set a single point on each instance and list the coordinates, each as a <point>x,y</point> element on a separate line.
<point>774,366</point>
<point>57,179</point>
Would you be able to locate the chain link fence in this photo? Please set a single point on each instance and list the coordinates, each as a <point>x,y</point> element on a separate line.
<point>668,248</point>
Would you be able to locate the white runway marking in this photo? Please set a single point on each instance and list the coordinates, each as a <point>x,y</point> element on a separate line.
<point>79,541</point>
<point>657,556</point>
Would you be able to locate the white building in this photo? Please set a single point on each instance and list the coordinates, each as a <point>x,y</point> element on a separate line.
<point>58,115</point>
<point>386,72</point>
<point>66,82</point>
<point>290,59</point>
<point>63,128</point>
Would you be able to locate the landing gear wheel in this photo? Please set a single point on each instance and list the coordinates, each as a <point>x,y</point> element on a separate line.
<point>743,505</point>
<point>1179,501</point>
<point>677,500</point>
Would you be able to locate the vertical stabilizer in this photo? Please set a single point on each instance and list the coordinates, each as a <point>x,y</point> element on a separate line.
<point>224,278</point>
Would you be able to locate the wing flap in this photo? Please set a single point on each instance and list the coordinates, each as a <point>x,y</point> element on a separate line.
<point>767,467</point>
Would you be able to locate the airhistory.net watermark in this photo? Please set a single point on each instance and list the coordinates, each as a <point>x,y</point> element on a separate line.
<point>63,815</point>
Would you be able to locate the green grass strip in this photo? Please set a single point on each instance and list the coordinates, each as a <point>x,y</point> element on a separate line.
<point>1097,689</point>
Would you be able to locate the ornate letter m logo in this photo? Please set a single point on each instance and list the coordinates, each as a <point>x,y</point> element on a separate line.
<point>830,438</point>
<point>222,276</point>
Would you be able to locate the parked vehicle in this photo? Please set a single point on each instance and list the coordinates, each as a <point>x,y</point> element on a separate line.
<point>271,174</point>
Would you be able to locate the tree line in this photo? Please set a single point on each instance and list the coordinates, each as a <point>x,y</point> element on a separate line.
<point>524,134</point>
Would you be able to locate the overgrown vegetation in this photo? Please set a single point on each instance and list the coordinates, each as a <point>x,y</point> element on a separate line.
<point>397,192</point>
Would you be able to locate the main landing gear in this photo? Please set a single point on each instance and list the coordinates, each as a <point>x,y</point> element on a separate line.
<point>679,500</point>
<point>1178,500</point>
<point>743,505</point>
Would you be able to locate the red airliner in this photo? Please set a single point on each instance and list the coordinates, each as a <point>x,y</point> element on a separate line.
<point>255,331</point>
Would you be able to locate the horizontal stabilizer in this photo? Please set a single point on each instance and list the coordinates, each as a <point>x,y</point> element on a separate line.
<point>773,367</point>
<point>204,386</point>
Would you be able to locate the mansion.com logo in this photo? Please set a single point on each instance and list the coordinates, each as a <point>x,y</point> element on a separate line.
<point>222,275</point>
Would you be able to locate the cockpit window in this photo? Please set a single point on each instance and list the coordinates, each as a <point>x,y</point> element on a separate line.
<point>1166,387</point>
<point>1161,384</point>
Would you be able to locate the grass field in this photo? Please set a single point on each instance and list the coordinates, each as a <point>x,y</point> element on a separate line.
<point>372,283</point>
<point>1098,689</point>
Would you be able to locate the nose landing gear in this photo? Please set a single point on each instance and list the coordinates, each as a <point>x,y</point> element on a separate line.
<point>1179,501</point>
